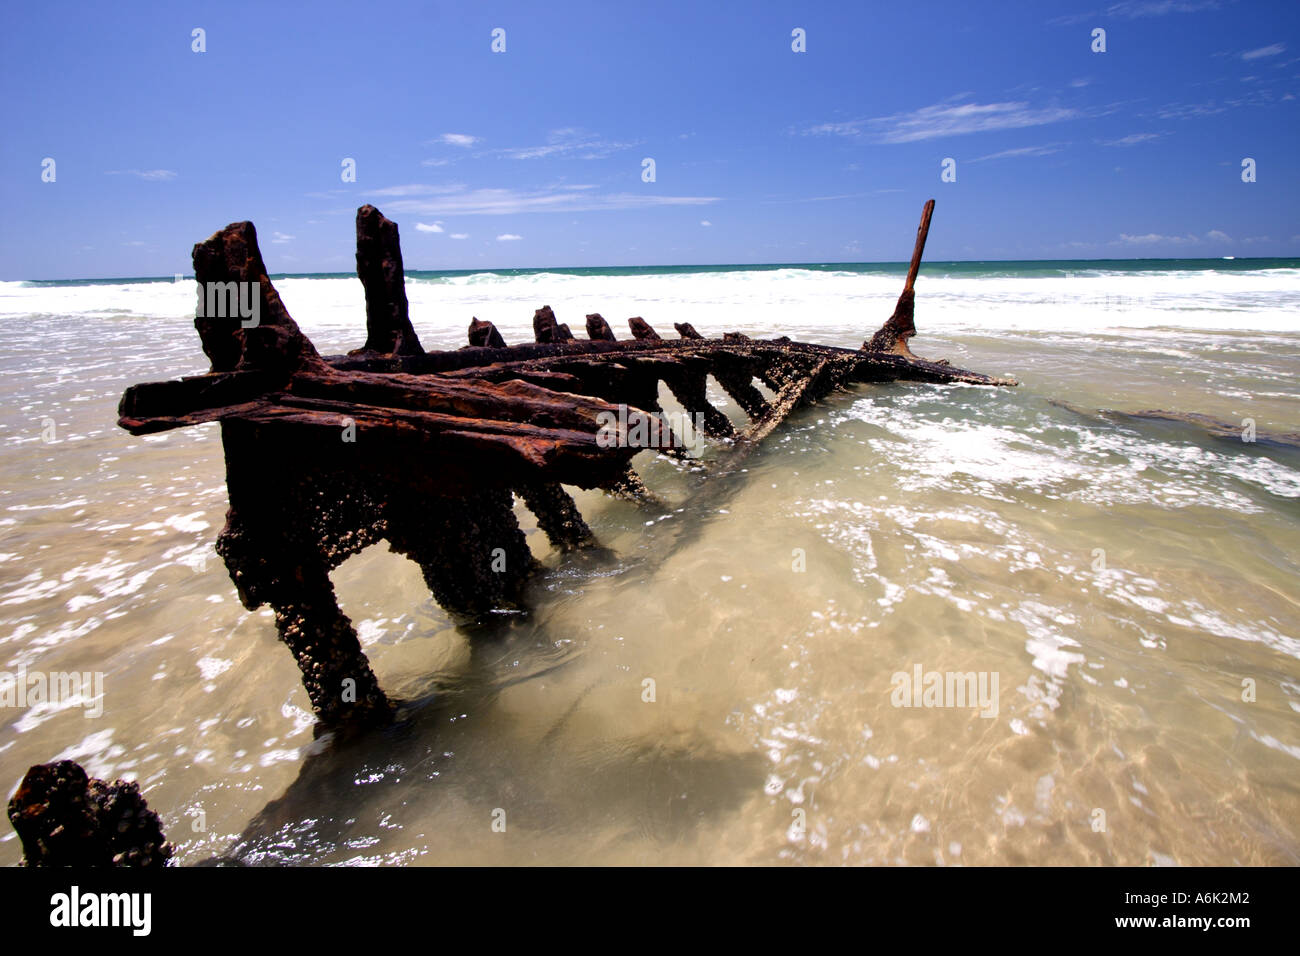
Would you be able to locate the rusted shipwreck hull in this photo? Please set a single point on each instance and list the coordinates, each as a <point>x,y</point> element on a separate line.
<point>326,455</point>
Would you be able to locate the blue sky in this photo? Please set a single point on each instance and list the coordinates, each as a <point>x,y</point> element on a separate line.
<point>534,156</point>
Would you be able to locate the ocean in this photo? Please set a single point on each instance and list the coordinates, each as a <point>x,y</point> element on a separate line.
<point>1122,589</point>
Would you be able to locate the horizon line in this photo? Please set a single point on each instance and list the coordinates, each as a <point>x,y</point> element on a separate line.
<point>685,265</point>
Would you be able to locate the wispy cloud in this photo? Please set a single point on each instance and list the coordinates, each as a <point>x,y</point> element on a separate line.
<point>1216,235</point>
<point>705,222</point>
<point>280,238</point>
<point>1152,238</point>
<point>508,237</point>
<point>835,198</point>
<point>946,119</point>
<point>933,122</point>
<point>1272,50</point>
<point>1022,151</point>
<point>418,189</point>
<point>1137,9</point>
<point>1250,97</point>
<point>1132,139</point>
<point>1072,19</point>
<point>429,226</point>
<point>571,142</point>
<point>460,235</point>
<point>459,200</point>
<point>849,128</point>
<point>151,175</point>
<point>1187,110</point>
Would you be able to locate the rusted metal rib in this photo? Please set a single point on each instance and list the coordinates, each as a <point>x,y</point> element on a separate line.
<point>900,326</point>
<point>379,266</point>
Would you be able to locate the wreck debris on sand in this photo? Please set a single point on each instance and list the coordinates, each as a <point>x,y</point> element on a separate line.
<point>326,455</point>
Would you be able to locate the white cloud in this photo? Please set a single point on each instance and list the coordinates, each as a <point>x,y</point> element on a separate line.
<point>151,175</point>
<point>1132,139</point>
<point>508,237</point>
<point>1071,20</point>
<point>850,128</point>
<point>1152,237</point>
<point>1135,9</point>
<point>418,189</point>
<point>1022,151</point>
<point>429,226</point>
<point>1218,236</point>
<point>1186,110</point>
<point>947,119</point>
<point>280,238</point>
<point>449,201</point>
<point>933,122</point>
<point>1271,50</point>
<point>459,139</point>
<point>567,142</point>
<point>1251,97</point>
<point>835,198</point>
<point>435,162</point>
<point>460,235</point>
<point>705,222</point>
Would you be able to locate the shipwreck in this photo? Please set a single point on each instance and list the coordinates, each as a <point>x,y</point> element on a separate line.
<point>326,455</point>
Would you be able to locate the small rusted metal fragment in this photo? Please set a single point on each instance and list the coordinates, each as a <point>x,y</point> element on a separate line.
<point>485,335</point>
<point>232,281</point>
<point>641,329</point>
<point>598,329</point>
<point>546,329</point>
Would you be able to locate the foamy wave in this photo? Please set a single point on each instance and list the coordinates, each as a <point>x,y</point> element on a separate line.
<point>1103,467</point>
<point>781,300</point>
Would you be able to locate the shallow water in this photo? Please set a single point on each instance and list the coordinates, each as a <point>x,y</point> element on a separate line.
<point>1121,578</point>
